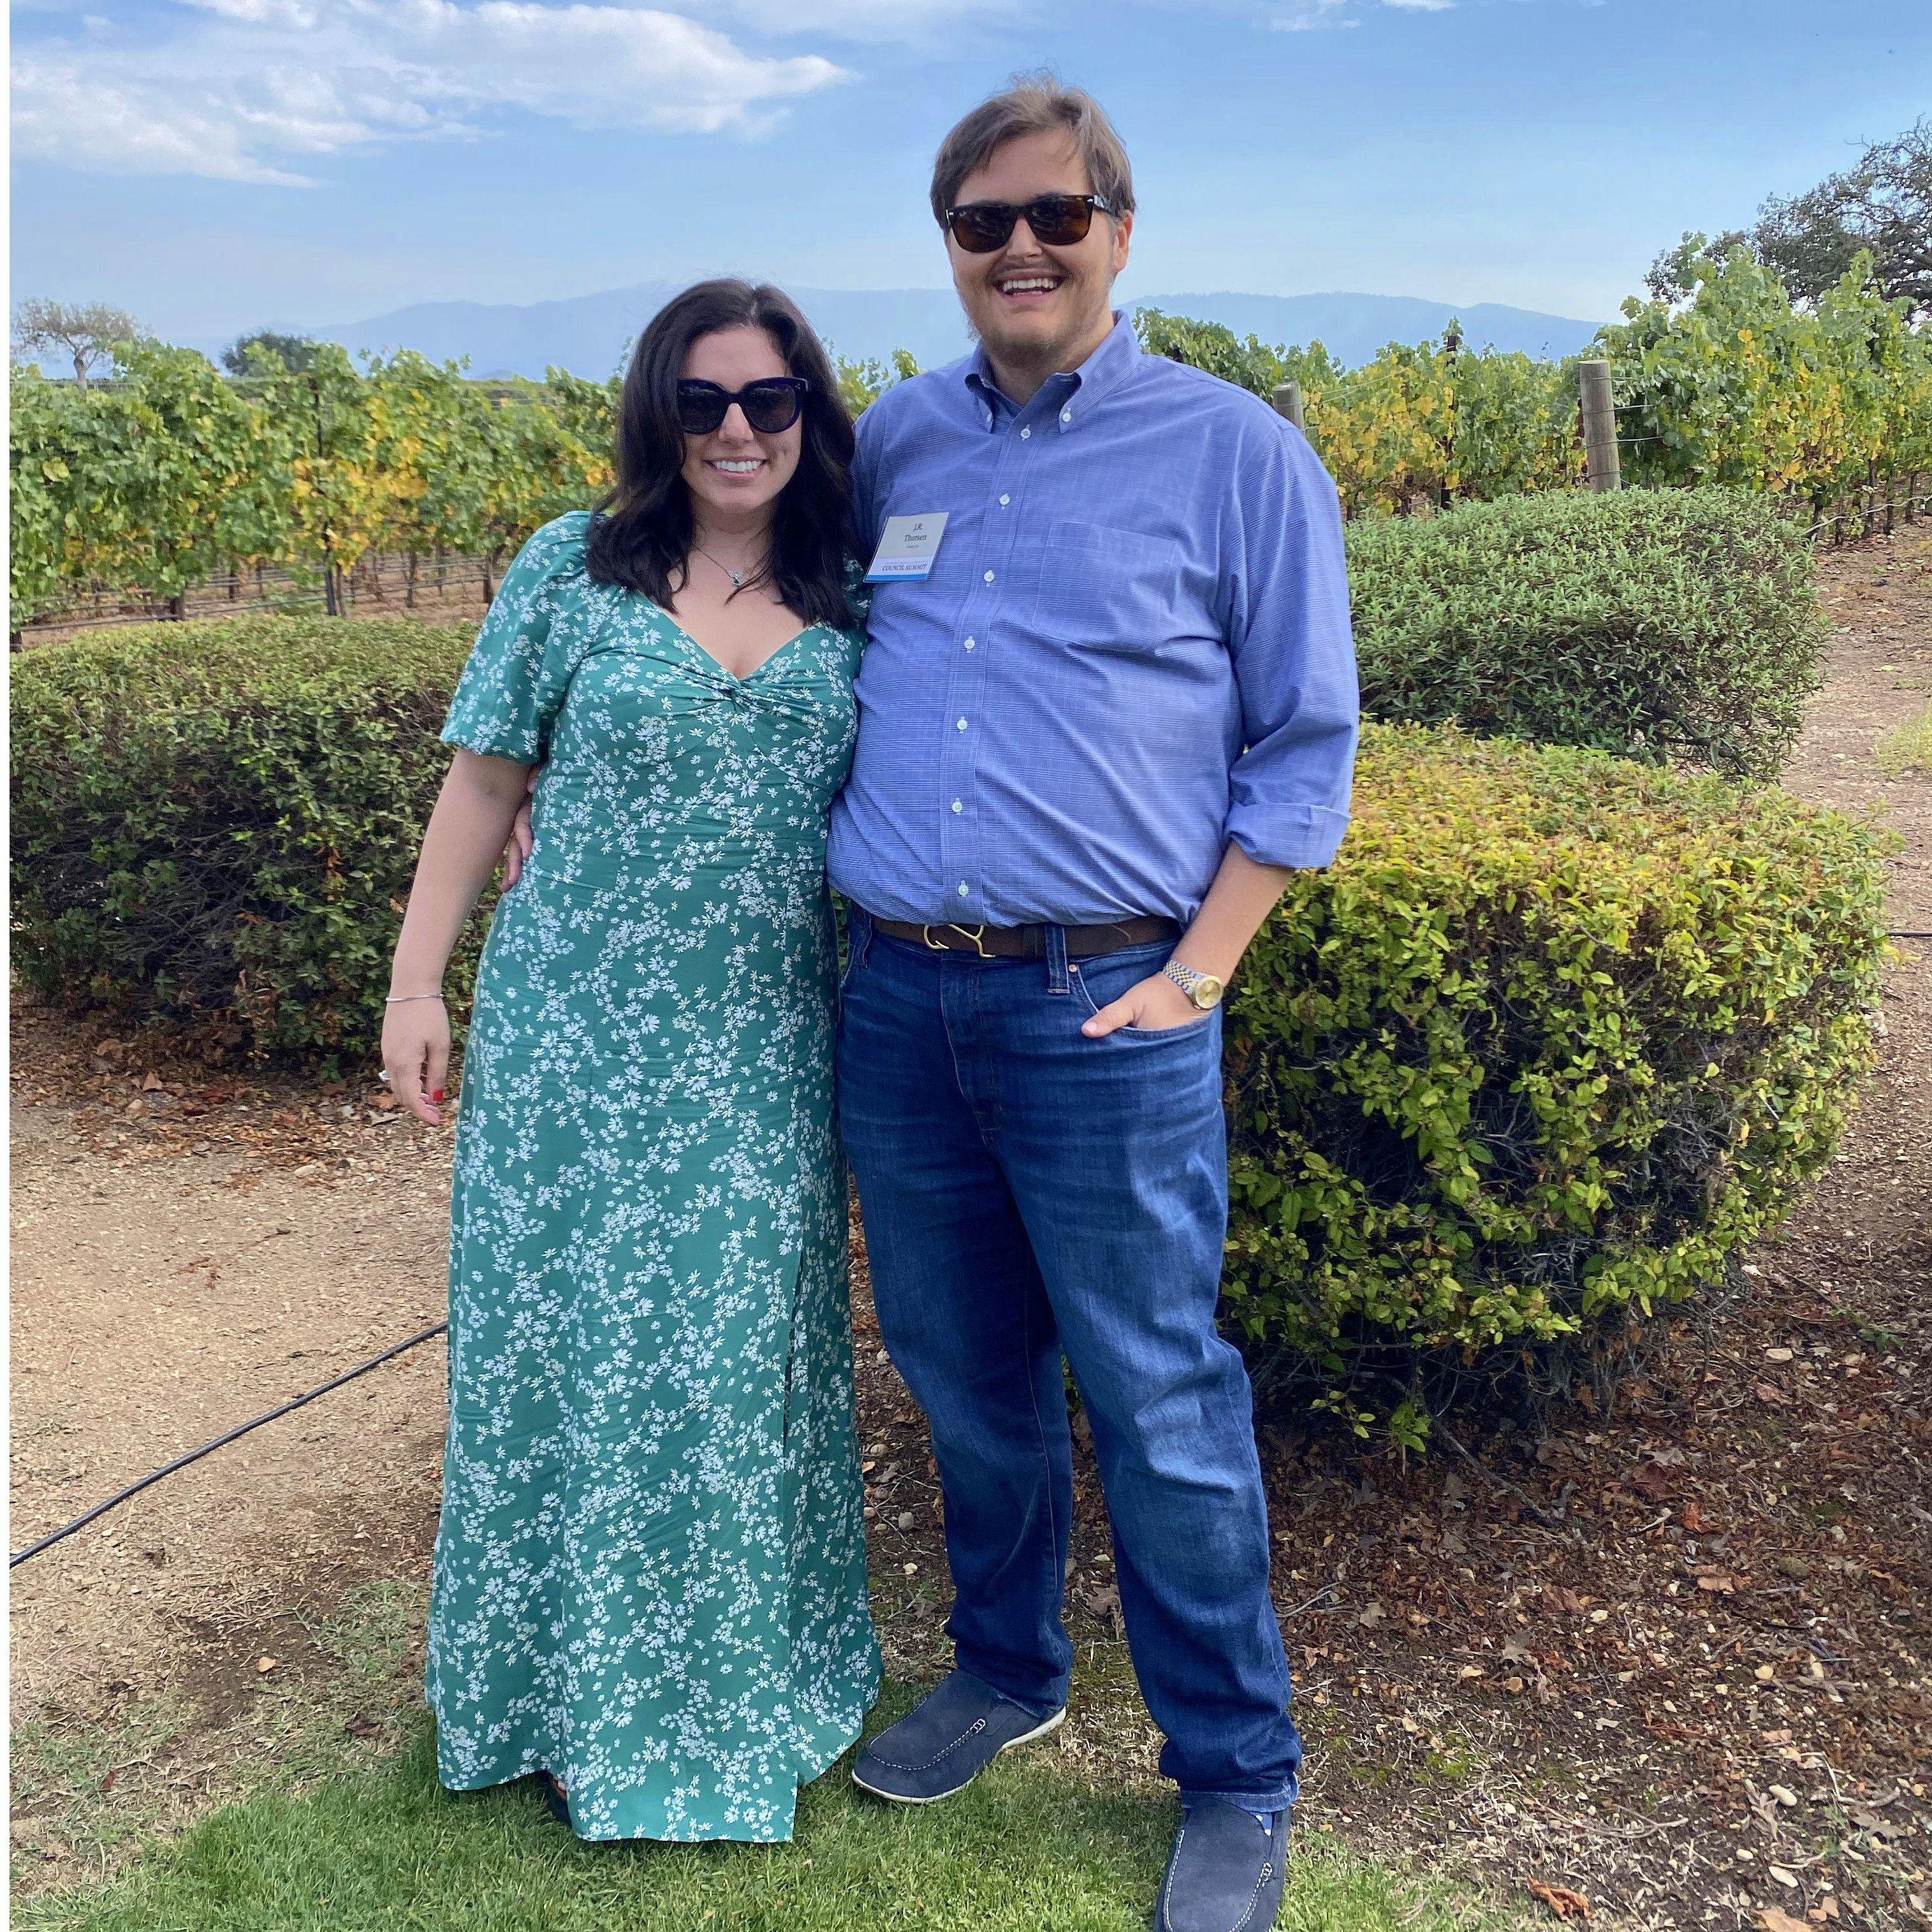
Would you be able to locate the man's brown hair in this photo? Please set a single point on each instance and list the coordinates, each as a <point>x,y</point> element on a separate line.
<point>1035,104</point>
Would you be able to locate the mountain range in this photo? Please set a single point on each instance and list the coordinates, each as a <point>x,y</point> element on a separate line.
<point>588,334</point>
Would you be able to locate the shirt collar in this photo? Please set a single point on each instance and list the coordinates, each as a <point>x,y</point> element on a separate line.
<point>1073,393</point>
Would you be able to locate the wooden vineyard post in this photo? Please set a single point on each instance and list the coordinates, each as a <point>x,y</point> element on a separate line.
<point>1601,468</point>
<point>1287,403</point>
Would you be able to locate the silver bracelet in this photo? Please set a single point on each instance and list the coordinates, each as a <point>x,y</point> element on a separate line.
<point>399,999</point>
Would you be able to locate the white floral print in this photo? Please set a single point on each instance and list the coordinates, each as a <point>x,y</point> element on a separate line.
<point>649,1575</point>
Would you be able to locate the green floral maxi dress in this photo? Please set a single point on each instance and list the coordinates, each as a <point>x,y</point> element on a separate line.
<point>650,1576</point>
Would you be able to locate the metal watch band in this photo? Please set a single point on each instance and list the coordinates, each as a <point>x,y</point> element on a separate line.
<point>1186,978</point>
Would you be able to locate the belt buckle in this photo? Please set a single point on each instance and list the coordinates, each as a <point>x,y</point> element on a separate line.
<point>976,934</point>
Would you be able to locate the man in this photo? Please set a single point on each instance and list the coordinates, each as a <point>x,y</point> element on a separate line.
<point>1107,706</point>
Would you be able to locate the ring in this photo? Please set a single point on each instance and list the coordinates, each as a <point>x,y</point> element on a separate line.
<point>384,1076</point>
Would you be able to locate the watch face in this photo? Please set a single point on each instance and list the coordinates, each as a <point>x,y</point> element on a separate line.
<point>1206,991</point>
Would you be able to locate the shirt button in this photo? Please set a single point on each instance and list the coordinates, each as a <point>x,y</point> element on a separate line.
<point>989,577</point>
<point>971,642</point>
<point>961,726</point>
<point>1024,433</point>
<point>1066,415</point>
<point>957,805</point>
<point>1006,500</point>
<point>963,889</point>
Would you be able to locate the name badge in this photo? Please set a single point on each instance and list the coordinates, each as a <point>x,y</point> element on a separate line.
<point>907,547</point>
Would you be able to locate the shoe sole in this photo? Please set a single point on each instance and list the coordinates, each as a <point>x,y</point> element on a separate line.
<point>1039,1730</point>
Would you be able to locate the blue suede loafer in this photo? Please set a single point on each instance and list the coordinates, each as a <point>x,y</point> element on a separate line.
<point>945,1740</point>
<point>1225,1872</point>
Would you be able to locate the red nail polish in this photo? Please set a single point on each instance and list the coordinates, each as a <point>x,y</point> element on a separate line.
<point>436,1097</point>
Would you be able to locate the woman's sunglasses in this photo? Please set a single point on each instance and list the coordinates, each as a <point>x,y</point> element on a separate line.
<point>1058,220</point>
<point>770,404</point>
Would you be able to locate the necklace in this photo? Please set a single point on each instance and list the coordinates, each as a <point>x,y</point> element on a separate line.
<point>737,577</point>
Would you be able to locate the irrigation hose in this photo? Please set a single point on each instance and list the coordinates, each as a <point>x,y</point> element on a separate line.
<point>120,1496</point>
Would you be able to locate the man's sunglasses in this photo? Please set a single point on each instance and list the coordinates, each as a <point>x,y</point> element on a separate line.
<point>772,403</point>
<point>1058,220</point>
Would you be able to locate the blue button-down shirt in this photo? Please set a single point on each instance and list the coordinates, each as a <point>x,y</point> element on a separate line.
<point>1133,646</point>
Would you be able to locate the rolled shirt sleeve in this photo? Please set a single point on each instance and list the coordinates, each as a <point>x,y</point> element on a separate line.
<point>1288,630</point>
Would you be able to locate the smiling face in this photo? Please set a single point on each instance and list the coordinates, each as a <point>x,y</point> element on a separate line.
<point>734,475</point>
<point>1038,310</point>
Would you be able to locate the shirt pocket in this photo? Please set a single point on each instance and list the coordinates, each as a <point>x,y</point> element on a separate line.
<point>1100,587</point>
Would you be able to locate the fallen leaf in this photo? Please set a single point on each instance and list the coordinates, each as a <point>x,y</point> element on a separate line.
<point>1693,1520</point>
<point>1513,1685</point>
<point>1653,1480</point>
<point>1515,1650</point>
<point>152,1085</point>
<point>1560,1899</point>
<point>1470,1670</point>
<point>1777,1354</point>
<point>1766,1393</point>
<point>1720,1582</point>
<point>263,1665</point>
<point>1560,1598</point>
<point>1372,1615</point>
<point>360,1727</point>
<point>1775,1919</point>
<point>1879,1828</point>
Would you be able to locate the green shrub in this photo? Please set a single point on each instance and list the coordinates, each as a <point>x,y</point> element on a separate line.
<point>1653,623</point>
<point>221,819</point>
<point>1555,1034</point>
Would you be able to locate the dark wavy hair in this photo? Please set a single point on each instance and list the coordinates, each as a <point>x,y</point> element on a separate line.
<point>640,535</point>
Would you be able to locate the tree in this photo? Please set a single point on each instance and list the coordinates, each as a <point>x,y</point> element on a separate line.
<point>863,383</point>
<point>1881,205</point>
<point>86,331</point>
<point>268,351</point>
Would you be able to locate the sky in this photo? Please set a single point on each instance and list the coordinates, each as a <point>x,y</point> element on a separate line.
<point>213,166</point>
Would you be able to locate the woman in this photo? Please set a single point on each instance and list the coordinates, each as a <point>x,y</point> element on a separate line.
<point>650,1578</point>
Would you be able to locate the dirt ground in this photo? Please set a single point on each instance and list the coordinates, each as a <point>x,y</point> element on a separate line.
<point>1672,1659</point>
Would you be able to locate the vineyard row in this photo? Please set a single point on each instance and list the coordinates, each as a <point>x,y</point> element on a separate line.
<point>138,495</point>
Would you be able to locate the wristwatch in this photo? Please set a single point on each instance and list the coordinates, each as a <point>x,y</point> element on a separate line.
<point>1203,988</point>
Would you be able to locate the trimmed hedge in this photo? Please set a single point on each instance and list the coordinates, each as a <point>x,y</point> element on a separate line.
<point>1554,1037</point>
<point>1656,624</point>
<point>221,819</point>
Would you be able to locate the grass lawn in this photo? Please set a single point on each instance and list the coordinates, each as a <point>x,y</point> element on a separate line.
<point>382,1846</point>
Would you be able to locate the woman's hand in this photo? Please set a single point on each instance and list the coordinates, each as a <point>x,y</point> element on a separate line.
<point>1153,1005</point>
<point>521,837</point>
<point>415,1055</point>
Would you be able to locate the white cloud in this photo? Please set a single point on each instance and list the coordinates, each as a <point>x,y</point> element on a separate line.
<point>257,84</point>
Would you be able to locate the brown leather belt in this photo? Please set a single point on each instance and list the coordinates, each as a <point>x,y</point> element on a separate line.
<point>1029,942</point>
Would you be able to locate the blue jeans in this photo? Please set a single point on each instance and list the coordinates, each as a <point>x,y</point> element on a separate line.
<point>1028,1191</point>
